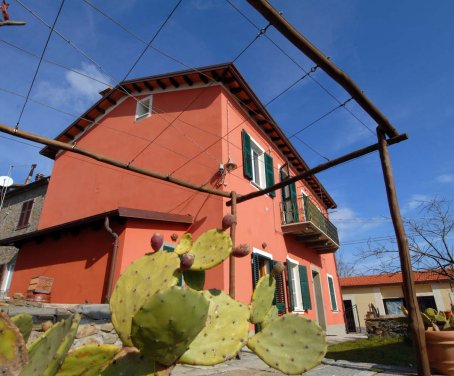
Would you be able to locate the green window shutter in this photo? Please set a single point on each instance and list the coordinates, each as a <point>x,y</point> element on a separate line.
<point>247,159</point>
<point>279,294</point>
<point>307,216</point>
<point>269,172</point>
<point>255,269</point>
<point>332,294</point>
<point>290,285</point>
<point>169,248</point>
<point>294,199</point>
<point>305,291</point>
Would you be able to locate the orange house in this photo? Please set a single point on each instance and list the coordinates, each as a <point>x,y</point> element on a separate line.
<point>204,126</point>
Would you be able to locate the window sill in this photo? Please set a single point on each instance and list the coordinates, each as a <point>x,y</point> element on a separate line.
<point>138,119</point>
<point>22,227</point>
<point>299,310</point>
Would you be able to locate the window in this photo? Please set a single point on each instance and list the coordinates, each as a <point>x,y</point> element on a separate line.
<point>143,108</point>
<point>332,293</point>
<point>26,211</point>
<point>425,302</point>
<point>257,165</point>
<point>298,283</point>
<point>392,306</point>
<point>289,199</point>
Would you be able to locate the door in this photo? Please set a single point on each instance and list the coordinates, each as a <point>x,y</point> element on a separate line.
<point>349,316</point>
<point>320,308</point>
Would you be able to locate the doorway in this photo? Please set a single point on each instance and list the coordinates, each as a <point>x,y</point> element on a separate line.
<point>320,308</point>
<point>349,313</point>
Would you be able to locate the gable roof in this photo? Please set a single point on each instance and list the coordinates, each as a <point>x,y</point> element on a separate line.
<point>389,279</point>
<point>225,74</point>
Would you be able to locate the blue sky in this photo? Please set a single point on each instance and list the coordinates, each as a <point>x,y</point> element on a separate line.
<point>399,53</point>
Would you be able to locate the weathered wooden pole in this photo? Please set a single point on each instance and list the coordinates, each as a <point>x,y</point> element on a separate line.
<point>415,320</point>
<point>232,258</point>
<point>12,23</point>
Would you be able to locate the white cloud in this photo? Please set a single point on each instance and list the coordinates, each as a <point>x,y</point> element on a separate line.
<point>445,178</point>
<point>76,92</point>
<point>415,201</point>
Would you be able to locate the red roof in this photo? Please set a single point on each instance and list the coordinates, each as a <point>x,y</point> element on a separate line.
<point>389,279</point>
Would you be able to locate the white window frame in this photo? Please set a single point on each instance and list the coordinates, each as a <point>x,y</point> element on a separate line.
<point>328,276</point>
<point>142,104</point>
<point>260,174</point>
<point>294,279</point>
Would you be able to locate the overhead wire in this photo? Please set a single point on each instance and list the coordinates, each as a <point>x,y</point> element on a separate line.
<point>39,64</point>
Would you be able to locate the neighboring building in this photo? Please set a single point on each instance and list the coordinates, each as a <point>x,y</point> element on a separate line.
<point>19,215</point>
<point>385,292</point>
<point>190,124</point>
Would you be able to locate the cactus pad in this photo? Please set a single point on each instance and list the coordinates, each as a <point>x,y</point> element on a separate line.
<point>291,344</point>
<point>272,314</point>
<point>167,323</point>
<point>24,323</point>
<point>262,298</point>
<point>194,279</point>
<point>140,280</point>
<point>13,354</point>
<point>211,249</point>
<point>88,360</point>
<point>184,245</point>
<point>130,362</point>
<point>225,333</point>
<point>47,352</point>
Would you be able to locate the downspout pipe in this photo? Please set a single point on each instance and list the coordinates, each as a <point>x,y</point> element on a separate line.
<point>114,258</point>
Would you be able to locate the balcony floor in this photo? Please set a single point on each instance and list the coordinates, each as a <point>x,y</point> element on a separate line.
<point>312,236</point>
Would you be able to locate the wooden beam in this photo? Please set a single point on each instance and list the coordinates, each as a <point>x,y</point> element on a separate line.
<point>232,258</point>
<point>161,84</point>
<point>68,135</point>
<point>137,87</point>
<point>215,75</point>
<point>148,86</point>
<point>100,110</point>
<point>306,47</point>
<point>174,82</point>
<point>235,90</point>
<point>73,148</point>
<point>79,127</point>
<point>228,80</point>
<point>204,78</point>
<point>12,23</point>
<point>112,101</point>
<point>415,320</point>
<point>188,80</point>
<point>319,168</point>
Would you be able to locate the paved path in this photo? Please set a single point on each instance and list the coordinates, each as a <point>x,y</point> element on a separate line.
<point>250,365</point>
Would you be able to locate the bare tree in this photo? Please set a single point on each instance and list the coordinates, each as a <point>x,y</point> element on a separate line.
<point>429,240</point>
<point>345,268</point>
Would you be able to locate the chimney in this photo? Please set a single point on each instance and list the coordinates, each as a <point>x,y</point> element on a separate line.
<point>39,176</point>
<point>30,174</point>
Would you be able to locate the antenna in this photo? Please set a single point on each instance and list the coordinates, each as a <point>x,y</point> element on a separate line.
<point>5,183</point>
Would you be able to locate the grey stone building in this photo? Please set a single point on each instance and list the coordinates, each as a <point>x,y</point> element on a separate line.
<point>19,214</point>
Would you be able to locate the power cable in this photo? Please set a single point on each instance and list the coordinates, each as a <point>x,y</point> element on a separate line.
<point>39,64</point>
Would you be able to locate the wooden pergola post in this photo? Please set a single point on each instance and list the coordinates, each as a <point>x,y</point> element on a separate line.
<point>232,258</point>
<point>415,320</point>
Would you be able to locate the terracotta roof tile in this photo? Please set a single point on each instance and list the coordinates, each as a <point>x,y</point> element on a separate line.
<point>389,279</point>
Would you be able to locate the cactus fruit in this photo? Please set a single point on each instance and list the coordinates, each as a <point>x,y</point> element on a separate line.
<point>157,240</point>
<point>211,249</point>
<point>130,362</point>
<point>224,334</point>
<point>13,354</point>
<point>278,268</point>
<point>47,352</point>
<point>186,261</point>
<point>194,279</point>
<point>184,245</point>
<point>24,323</point>
<point>291,344</point>
<point>271,315</point>
<point>241,250</point>
<point>262,298</point>
<point>228,221</point>
<point>167,323</point>
<point>88,360</point>
<point>138,282</point>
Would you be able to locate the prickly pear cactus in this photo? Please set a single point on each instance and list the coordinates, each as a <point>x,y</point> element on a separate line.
<point>225,333</point>
<point>24,323</point>
<point>167,323</point>
<point>88,360</point>
<point>184,245</point>
<point>271,315</point>
<point>211,249</point>
<point>145,276</point>
<point>291,344</point>
<point>130,362</point>
<point>194,279</point>
<point>262,298</point>
<point>47,352</point>
<point>13,353</point>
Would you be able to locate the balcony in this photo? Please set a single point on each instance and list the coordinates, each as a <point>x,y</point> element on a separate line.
<point>309,225</point>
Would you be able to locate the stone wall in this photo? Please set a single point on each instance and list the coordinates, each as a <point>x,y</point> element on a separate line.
<point>392,326</point>
<point>95,326</point>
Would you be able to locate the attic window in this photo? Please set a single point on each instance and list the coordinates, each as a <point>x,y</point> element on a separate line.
<point>143,108</point>
<point>26,211</point>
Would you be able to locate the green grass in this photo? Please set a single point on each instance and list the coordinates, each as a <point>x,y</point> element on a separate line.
<point>390,351</point>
